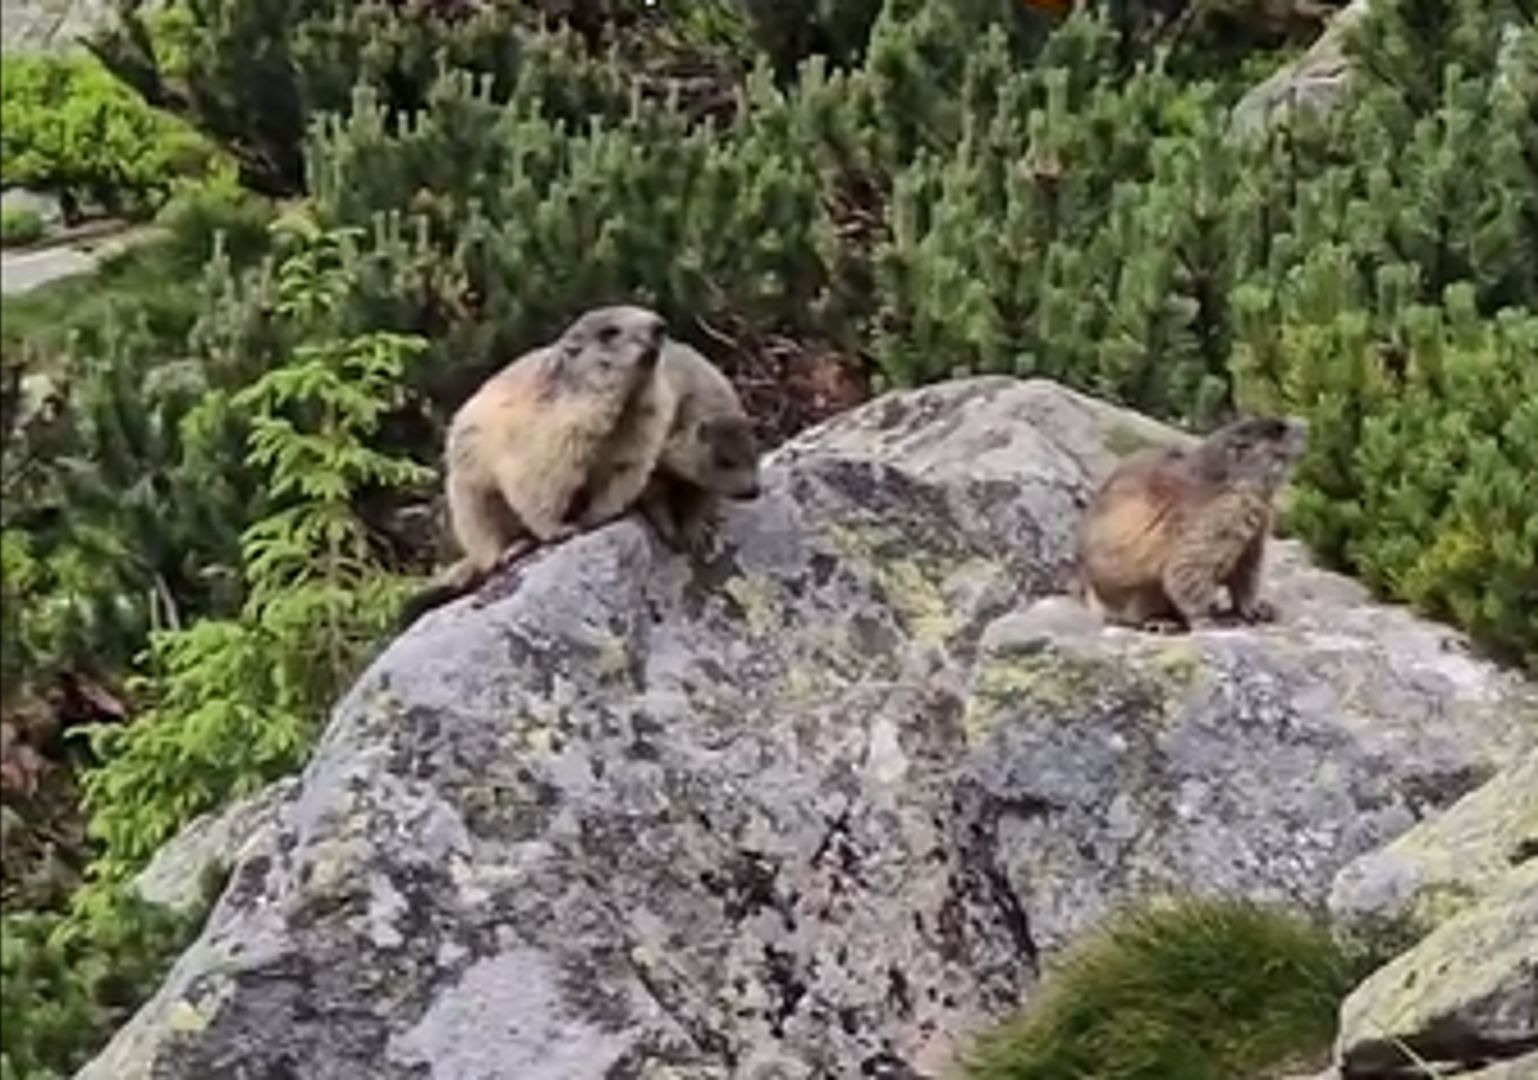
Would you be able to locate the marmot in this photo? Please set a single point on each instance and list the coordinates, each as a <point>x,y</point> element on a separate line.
<point>561,439</point>
<point>1169,526</point>
<point>711,451</point>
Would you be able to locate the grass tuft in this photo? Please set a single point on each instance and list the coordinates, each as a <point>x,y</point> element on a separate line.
<point>1181,990</point>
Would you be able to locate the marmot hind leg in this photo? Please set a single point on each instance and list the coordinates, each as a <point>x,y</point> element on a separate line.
<point>482,524</point>
<point>1147,609</point>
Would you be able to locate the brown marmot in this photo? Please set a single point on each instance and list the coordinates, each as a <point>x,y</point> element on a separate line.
<point>561,439</point>
<point>711,451</point>
<point>1169,526</point>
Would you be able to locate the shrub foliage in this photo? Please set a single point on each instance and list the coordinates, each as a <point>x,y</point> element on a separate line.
<point>72,128</point>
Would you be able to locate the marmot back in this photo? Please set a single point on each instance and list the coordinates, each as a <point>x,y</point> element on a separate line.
<point>1169,527</point>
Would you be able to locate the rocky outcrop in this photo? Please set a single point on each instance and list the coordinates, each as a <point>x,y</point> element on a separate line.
<point>1466,994</point>
<point>817,804</point>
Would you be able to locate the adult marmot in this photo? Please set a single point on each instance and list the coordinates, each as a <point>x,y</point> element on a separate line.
<point>711,451</point>
<point>1169,526</point>
<point>561,439</point>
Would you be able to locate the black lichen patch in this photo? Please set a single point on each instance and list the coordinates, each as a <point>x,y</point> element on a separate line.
<point>708,581</point>
<point>591,988</point>
<point>785,985</point>
<point>249,880</point>
<point>839,849</point>
<point>886,1065</point>
<point>1527,848</point>
<point>899,994</point>
<point>746,885</point>
<point>981,907</point>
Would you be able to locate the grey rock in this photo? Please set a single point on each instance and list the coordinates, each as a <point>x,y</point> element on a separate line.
<point>1466,994</point>
<point>818,803</point>
<point>49,25</point>
<point>243,831</point>
<point>1448,862</point>
<point>41,203</point>
<point>1317,80</point>
<point>23,271</point>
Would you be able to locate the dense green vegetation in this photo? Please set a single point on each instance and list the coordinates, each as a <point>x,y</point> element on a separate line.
<point>1194,989</point>
<point>74,129</point>
<point>215,449</point>
<point>69,981</point>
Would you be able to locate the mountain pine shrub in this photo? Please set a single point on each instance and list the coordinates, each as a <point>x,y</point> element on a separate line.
<point>68,980</point>
<point>233,702</point>
<point>1393,305</point>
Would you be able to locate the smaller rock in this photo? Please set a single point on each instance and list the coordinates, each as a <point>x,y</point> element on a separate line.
<point>1039,625</point>
<point>1316,80</point>
<point>1466,995</point>
<point>174,877</point>
<point>41,203</point>
<point>1436,869</point>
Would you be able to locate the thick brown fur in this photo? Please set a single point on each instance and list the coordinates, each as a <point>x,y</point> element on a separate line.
<point>560,440</point>
<point>711,451</point>
<point>1170,527</point>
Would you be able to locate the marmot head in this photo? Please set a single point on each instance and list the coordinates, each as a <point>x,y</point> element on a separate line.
<point>719,454</point>
<point>611,347</point>
<point>1259,450</point>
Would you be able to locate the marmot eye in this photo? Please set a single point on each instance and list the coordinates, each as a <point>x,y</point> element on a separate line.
<point>609,334</point>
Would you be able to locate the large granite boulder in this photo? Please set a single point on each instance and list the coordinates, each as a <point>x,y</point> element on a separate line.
<point>818,804</point>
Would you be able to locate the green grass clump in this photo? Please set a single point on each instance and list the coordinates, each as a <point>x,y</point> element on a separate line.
<point>1187,990</point>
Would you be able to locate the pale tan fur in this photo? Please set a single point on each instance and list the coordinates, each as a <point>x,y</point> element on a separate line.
<point>711,451</point>
<point>1169,528</point>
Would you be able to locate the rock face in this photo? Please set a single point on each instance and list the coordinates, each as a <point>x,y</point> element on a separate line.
<point>816,805</point>
<point>1316,80</point>
<point>49,25</point>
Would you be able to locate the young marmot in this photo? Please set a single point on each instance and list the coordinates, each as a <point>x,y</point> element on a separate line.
<point>1169,526</point>
<point>561,439</point>
<point>711,451</point>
